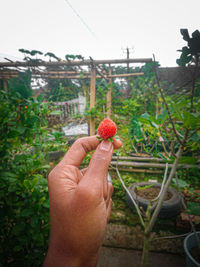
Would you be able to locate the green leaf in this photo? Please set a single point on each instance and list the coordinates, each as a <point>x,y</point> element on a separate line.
<point>144,187</point>
<point>162,117</point>
<point>190,120</point>
<point>34,182</point>
<point>193,208</point>
<point>34,220</point>
<point>34,52</point>
<point>187,160</point>
<point>46,204</point>
<point>26,212</point>
<point>26,183</point>
<point>181,183</point>
<point>176,111</point>
<point>20,129</point>
<point>12,188</point>
<point>8,174</point>
<point>46,166</point>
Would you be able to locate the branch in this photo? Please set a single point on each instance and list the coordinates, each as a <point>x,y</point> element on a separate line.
<point>161,199</point>
<point>165,102</point>
<point>132,199</point>
<point>193,84</point>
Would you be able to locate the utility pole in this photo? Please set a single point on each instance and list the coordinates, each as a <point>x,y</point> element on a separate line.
<point>128,91</point>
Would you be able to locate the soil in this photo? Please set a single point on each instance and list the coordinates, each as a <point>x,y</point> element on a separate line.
<point>195,254</point>
<point>151,193</point>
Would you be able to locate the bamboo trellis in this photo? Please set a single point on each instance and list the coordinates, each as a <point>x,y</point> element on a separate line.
<point>6,73</point>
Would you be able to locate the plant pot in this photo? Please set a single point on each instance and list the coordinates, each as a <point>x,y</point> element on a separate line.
<point>189,243</point>
<point>170,208</point>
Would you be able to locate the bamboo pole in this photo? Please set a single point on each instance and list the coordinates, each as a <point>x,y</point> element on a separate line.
<point>5,86</point>
<point>139,159</point>
<point>63,76</point>
<point>8,72</point>
<point>108,96</point>
<point>58,72</point>
<point>151,165</point>
<point>138,170</point>
<point>8,76</point>
<point>74,63</point>
<point>126,75</point>
<point>92,98</point>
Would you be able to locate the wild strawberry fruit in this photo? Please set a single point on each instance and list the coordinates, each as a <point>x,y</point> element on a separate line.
<point>107,129</point>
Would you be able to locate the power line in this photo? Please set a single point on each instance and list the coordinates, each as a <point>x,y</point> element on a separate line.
<point>81,19</point>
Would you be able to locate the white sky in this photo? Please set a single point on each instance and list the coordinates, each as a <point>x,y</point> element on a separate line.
<point>147,26</point>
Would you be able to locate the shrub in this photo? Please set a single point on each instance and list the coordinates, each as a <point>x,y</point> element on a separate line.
<point>24,205</point>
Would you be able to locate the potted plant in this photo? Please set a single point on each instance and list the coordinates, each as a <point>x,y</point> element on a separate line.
<point>144,192</point>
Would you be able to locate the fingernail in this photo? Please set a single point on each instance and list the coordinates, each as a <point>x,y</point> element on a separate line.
<point>105,145</point>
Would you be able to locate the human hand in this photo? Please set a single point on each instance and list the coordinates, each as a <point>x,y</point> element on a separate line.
<point>80,204</point>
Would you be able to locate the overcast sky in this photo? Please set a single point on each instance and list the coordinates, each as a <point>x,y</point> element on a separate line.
<point>99,29</point>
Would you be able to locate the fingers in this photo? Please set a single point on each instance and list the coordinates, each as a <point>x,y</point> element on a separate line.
<point>98,166</point>
<point>109,194</point>
<point>109,209</point>
<point>79,149</point>
<point>99,163</point>
<point>117,143</point>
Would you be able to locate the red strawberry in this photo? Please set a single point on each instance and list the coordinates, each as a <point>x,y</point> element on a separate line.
<point>107,128</point>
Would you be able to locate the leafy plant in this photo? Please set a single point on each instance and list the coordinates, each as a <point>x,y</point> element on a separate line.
<point>24,204</point>
<point>183,119</point>
<point>193,208</point>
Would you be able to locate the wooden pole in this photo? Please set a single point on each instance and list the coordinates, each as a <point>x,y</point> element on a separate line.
<point>151,165</point>
<point>86,62</point>
<point>5,86</point>
<point>46,76</point>
<point>128,70</point>
<point>92,98</point>
<point>108,96</point>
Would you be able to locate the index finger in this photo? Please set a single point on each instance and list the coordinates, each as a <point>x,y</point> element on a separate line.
<point>81,147</point>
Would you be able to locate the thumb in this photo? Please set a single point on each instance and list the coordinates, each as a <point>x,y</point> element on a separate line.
<point>99,163</point>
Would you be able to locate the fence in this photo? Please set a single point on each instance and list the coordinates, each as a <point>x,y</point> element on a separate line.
<point>72,107</point>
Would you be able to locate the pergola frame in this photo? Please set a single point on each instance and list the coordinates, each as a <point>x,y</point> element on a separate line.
<point>7,73</point>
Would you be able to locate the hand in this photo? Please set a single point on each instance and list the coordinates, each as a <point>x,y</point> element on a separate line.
<point>80,204</point>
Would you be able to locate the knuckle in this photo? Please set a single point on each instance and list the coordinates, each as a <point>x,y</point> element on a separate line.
<point>88,194</point>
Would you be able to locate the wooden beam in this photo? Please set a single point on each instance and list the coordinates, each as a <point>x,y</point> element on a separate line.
<point>138,170</point>
<point>5,85</point>
<point>85,76</point>
<point>8,72</point>
<point>146,159</point>
<point>8,76</point>
<point>108,95</point>
<point>126,75</point>
<point>57,72</point>
<point>74,63</point>
<point>151,165</point>
<point>92,99</point>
